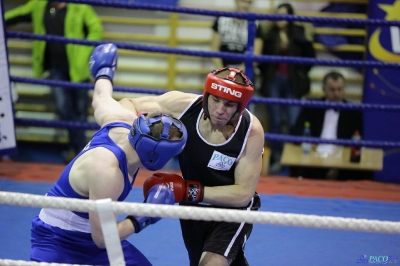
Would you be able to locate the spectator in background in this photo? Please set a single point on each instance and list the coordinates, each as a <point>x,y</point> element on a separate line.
<point>330,124</point>
<point>64,62</point>
<point>230,35</point>
<point>282,80</point>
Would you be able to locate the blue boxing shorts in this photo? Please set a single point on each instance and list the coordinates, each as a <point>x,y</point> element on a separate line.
<point>53,244</point>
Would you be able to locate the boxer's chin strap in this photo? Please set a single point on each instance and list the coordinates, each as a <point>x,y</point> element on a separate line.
<point>205,116</point>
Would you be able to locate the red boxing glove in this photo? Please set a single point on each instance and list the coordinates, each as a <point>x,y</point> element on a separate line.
<point>184,190</point>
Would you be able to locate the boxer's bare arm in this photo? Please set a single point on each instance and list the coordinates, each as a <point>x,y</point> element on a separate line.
<point>173,103</point>
<point>102,64</point>
<point>102,182</point>
<point>106,108</point>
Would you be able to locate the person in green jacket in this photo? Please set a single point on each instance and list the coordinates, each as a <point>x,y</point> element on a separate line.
<point>63,61</point>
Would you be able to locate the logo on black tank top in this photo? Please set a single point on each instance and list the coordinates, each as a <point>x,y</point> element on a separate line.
<point>220,161</point>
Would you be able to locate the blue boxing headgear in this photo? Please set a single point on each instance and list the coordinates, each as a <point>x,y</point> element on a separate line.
<point>155,153</point>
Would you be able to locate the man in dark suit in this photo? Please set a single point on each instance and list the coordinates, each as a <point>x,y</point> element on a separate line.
<point>330,124</point>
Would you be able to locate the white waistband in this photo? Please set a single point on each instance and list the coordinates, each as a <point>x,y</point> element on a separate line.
<point>65,219</point>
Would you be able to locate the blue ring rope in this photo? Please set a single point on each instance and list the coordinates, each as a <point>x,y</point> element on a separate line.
<point>268,136</point>
<point>256,100</point>
<point>241,15</point>
<point>207,54</point>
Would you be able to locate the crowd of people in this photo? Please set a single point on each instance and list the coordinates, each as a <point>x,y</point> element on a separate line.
<point>148,131</point>
<point>60,62</point>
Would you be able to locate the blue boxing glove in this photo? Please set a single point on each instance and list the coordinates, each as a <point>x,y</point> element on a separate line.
<point>103,61</point>
<point>158,194</point>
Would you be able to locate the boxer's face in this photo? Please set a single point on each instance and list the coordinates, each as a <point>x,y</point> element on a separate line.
<point>221,110</point>
<point>334,89</point>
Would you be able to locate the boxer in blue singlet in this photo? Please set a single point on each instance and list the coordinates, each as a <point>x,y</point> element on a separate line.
<point>106,168</point>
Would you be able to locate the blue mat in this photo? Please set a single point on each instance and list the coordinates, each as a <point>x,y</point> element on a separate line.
<point>268,244</point>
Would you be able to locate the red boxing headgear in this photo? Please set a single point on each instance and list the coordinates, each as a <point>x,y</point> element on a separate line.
<point>229,89</point>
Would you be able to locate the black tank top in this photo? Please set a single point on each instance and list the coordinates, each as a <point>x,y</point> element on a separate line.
<point>213,164</point>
